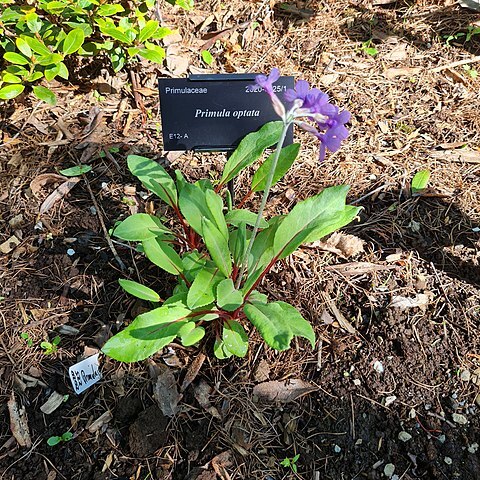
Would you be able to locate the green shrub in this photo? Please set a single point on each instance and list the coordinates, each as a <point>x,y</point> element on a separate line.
<point>35,39</point>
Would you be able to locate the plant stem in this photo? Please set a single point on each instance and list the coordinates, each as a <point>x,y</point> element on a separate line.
<point>266,192</point>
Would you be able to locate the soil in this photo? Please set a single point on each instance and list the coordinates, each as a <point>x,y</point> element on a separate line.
<point>393,386</point>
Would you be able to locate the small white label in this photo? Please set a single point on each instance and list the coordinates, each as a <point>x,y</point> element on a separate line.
<point>84,374</point>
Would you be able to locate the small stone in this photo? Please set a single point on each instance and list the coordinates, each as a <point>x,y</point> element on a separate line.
<point>357,382</point>
<point>337,449</point>
<point>93,210</point>
<point>412,413</point>
<point>70,252</point>
<point>473,448</point>
<point>442,438</point>
<point>448,460</point>
<point>459,418</point>
<point>388,470</point>
<point>378,366</point>
<point>358,442</point>
<point>389,400</point>
<point>465,376</point>
<point>428,406</point>
<point>404,436</point>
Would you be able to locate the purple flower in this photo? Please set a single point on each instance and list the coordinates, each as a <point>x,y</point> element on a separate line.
<point>267,82</point>
<point>313,104</point>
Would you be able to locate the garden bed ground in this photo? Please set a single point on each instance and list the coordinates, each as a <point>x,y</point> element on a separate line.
<point>382,368</point>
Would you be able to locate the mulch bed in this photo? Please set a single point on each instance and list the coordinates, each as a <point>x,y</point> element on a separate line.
<point>395,375</point>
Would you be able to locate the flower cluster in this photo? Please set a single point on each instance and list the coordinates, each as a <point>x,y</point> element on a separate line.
<point>313,104</point>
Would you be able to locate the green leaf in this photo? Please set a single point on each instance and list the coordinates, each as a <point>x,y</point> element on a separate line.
<point>313,219</point>
<point>298,325</point>
<point>228,297</point>
<point>116,33</point>
<point>36,45</point>
<point>155,54</point>
<point>138,290</point>
<point>46,95</point>
<point>33,76</point>
<point>207,57</point>
<point>10,78</point>
<point>185,4</point>
<point>238,216</point>
<point>148,30</point>
<point>287,156</point>
<point>250,149</point>
<point>62,71</point>
<point>220,350</point>
<point>147,334</point>
<point>193,206</point>
<point>67,436</point>
<point>269,319</point>
<point>238,243</point>
<point>161,33</point>
<point>23,46</point>
<point>139,227</point>
<point>217,246</point>
<point>118,58</point>
<point>420,181</point>
<point>193,336</point>
<point>16,58</point>
<point>163,255</point>
<point>11,91</point>
<point>154,177</point>
<point>76,171</point>
<point>215,206</point>
<point>50,59</point>
<point>52,441</point>
<point>75,39</point>
<point>235,338</point>
<point>193,262</point>
<point>202,290</point>
<point>108,10</point>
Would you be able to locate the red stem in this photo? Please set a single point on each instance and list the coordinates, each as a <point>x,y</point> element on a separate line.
<point>245,198</point>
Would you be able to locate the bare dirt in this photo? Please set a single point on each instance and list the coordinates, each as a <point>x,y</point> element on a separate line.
<point>395,374</point>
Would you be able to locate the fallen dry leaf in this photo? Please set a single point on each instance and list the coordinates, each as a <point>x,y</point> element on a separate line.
<point>342,321</point>
<point>220,462</point>
<point>262,372</point>
<point>192,372</point>
<point>58,194</point>
<point>341,244</point>
<point>202,393</point>
<point>19,423</point>
<point>391,73</point>
<point>44,179</point>
<point>165,390</point>
<point>282,391</point>
<point>403,303</point>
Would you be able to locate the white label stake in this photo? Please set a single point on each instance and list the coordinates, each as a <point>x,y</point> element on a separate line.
<point>84,374</point>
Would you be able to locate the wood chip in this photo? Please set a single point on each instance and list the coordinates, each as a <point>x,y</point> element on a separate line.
<point>100,421</point>
<point>19,423</point>
<point>53,402</point>
<point>282,391</point>
<point>9,245</point>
